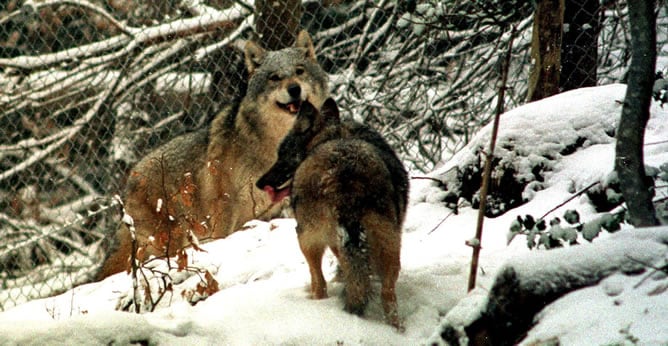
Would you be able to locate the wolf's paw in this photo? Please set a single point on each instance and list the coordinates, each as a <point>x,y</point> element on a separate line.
<point>398,324</point>
<point>319,293</point>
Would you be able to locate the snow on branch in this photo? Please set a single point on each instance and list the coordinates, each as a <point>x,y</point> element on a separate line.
<point>32,7</point>
<point>208,21</point>
<point>65,135</point>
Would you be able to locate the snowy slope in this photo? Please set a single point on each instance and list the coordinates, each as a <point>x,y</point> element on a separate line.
<point>263,277</point>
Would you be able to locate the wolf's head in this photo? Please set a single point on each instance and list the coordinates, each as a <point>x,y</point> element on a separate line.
<point>282,80</point>
<point>311,128</point>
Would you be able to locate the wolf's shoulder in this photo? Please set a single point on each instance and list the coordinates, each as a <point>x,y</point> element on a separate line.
<point>363,132</point>
<point>357,130</point>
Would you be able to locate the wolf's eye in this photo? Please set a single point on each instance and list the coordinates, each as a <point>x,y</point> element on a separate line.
<point>299,71</point>
<point>274,78</point>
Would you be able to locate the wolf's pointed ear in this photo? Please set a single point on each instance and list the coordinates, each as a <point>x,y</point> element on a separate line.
<point>305,117</point>
<point>330,111</point>
<point>253,55</point>
<point>307,110</point>
<point>304,41</point>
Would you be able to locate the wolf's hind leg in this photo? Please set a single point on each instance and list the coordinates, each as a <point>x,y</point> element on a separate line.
<point>313,253</point>
<point>385,242</point>
<point>389,298</point>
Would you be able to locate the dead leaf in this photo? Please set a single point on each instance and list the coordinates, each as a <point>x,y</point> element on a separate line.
<point>211,282</point>
<point>182,259</point>
<point>194,241</point>
<point>188,187</point>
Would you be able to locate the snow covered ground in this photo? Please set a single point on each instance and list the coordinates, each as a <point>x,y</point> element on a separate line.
<point>263,278</point>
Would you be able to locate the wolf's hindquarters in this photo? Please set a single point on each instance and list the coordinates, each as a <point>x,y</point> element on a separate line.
<point>384,244</point>
<point>370,243</point>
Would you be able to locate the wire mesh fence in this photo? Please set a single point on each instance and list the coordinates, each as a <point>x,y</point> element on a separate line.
<point>87,88</point>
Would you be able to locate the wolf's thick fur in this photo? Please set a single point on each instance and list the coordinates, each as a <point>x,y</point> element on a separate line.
<point>348,190</point>
<point>203,181</point>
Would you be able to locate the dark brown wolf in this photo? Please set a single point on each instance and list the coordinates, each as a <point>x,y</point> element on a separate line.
<point>202,182</point>
<point>348,192</point>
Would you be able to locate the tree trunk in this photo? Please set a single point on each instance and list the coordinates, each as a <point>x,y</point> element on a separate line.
<point>277,22</point>
<point>579,48</point>
<point>546,49</point>
<point>636,187</point>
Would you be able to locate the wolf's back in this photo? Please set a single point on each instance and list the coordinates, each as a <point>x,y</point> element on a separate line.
<point>354,178</point>
<point>396,170</point>
<point>171,160</point>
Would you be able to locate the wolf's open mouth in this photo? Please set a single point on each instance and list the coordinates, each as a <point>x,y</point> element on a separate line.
<point>278,194</point>
<point>292,107</point>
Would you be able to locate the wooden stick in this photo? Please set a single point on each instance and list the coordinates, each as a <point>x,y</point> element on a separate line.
<point>475,243</point>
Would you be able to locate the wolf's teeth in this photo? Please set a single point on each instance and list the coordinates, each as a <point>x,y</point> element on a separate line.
<point>284,185</point>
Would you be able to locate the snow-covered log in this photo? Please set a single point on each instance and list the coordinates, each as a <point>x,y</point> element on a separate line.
<point>528,283</point>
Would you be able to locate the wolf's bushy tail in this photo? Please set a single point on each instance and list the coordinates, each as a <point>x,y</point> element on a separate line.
<point>356,270</point>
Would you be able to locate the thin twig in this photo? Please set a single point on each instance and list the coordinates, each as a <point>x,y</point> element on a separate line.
<point>570,199</point>
<point>428,178</point>
<point>441,222</point>
<point>655,268</point>
<point>476,244</point>
<point>655,143</point>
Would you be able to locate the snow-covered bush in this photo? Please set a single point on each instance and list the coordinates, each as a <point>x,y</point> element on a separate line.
<point>558,233</point>
<point>605,197</point>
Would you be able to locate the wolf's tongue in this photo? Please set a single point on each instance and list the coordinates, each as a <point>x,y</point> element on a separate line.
<point>270,191</point>
<point>281,194</point>
<point>276,195</point>
<point>293,107</point>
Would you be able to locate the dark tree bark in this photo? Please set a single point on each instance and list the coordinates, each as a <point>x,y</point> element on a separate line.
<point>277,22</point>
<point>579,48</point>
<point>545,49</point>
<point>635,185</point>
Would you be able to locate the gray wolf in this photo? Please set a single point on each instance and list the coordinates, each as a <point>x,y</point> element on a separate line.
<point>348,192</point>
<point>201,183</point>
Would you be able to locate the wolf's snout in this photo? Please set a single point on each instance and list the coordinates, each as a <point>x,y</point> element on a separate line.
<point>295,91</point>
<point>293,101</point>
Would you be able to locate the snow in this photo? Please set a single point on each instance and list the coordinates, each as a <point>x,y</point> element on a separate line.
<point>616,311</point>
<point>567,121</point>
<point>263,279</point>
<point>176,82</point>
<point>546,268</point>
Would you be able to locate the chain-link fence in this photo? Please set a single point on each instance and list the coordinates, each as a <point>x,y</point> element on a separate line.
<point>88,87</point>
